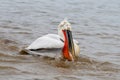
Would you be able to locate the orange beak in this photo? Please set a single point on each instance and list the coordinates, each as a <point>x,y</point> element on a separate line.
<point>68,49</point>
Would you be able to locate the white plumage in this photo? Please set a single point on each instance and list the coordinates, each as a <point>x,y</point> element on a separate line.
<point>47,41</point>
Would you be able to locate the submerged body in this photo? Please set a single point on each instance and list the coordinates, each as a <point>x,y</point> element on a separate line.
<point>64,41</point>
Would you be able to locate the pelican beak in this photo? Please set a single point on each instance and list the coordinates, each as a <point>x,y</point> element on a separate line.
<point>70,44</point>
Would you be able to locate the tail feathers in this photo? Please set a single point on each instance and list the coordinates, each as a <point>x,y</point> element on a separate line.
<point>24,52</point>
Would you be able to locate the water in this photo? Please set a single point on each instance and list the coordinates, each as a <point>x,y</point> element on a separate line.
<point>95,25</point>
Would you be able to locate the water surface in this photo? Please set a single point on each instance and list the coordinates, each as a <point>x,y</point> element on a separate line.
<point>95,26</point>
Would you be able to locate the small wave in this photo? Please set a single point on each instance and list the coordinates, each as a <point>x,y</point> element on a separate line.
<point>10,58</point>
<point>7,67</point>
<point>14,27</point>
<point>83,62</point>
<point>6,41</point>
<point>8,46</point>
<point>7,70</point>
<point>20,32</point>
<point>67,78</point>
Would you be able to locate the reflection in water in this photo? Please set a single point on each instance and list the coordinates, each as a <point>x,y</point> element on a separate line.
<point>95,25</point>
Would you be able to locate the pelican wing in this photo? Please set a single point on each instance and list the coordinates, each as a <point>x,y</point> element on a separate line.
<point>47,42</point>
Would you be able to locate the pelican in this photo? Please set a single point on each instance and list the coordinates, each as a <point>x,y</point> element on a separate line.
<point>64,41</point>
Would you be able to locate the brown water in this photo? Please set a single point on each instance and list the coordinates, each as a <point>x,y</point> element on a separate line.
<point>96,25</point>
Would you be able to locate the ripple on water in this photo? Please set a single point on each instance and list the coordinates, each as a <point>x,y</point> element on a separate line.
<point>83,62</point>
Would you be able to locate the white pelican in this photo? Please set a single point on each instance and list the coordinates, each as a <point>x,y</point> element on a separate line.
<point>69,47</point>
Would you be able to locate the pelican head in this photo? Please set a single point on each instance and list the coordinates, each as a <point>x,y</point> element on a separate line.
<point>64,25</point>
<point>65,31</point>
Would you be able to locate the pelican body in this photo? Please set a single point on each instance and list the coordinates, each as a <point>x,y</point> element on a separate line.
<point>64,41</point>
